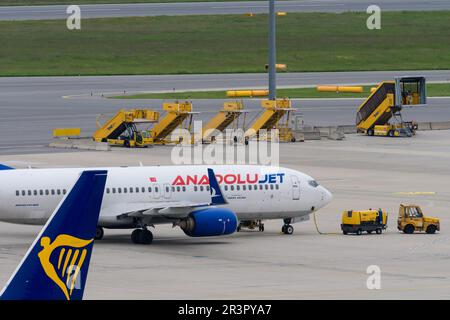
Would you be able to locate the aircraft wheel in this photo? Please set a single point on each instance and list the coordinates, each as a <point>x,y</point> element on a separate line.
<point>145,237</point>
<point>136,236</point>
<point>261,228</point>
<point>99,233</point>
<point>288,229</point>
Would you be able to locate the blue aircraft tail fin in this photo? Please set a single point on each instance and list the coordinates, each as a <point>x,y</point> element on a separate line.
<point>56,265</point>
<point>5,167</point>
<point>217,197</point>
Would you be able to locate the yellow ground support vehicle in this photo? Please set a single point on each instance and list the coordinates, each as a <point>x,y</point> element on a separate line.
<point>364,221</point>
<point>411,219</point>
<point>380,114</point>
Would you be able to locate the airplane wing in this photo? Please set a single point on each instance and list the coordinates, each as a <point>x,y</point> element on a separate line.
<point>170,209</point>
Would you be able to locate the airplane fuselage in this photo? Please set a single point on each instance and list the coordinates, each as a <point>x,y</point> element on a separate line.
<point>29,196</point>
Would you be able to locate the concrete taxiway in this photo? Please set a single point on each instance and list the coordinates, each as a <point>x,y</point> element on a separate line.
<point>32,106</point>
<point>207,8</point>
<point>362,172</point>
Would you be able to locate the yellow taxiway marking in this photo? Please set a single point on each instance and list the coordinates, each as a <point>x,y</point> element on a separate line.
<point>415,193</point>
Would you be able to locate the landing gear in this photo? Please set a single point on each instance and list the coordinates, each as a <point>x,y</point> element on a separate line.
<point>251,224</point>
<point>287,228</point>
<point>99,233</point>
<point>142,236</point>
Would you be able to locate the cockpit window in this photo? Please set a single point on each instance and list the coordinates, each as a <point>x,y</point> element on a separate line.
<point>313,183</point>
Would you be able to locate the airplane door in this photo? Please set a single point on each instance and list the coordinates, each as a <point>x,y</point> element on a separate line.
<point>295,183</point>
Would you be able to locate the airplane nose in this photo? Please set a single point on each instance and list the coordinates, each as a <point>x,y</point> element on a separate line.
<point>327,196</point>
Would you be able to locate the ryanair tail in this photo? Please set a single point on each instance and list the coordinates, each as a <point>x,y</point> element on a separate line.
<point>56,265</point>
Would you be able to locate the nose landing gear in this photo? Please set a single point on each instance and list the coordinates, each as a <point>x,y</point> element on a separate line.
<point>142,236</point>
<point>99,233</point>
<point>287,228</point>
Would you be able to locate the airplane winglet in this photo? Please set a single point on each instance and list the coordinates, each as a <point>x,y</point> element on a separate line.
<point>217,197</point>
<point>5,167</point>
<point>56,265</point>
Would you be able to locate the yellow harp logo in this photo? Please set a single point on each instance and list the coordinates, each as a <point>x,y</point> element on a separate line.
<point>72,253</point>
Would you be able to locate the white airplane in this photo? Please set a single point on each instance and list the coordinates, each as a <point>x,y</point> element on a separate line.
<point>202,200</point>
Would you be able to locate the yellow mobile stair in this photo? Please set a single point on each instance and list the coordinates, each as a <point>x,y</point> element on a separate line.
<point>274,111</point>
<point>229,114</point>
<point>380,113</point>
<point>176,114</point>
<point>124,121</point>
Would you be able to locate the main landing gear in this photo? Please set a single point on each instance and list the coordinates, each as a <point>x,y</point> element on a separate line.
<point>99,233</point>
<point>287,228</point>
<point>142,236</point>
<point>251,224</point>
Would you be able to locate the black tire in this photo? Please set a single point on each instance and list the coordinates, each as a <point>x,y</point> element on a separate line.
<point>126,143</point>
<point>283,229</point>
<point>136,236</point>
<point>99,233</point>
<point>379,231</point>
<point>261,228</point>
<point>370,132</point>
<point>431,229</point>
<point>369,231</point>
<point>289,229</point>
<point>293,140</point>
<point>146,237</point>
<point>359,232</point>
<point>391,133</point>
<point>345,232</point>
<point>408,229</point>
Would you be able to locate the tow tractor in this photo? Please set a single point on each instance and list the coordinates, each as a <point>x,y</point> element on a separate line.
<point>411,219</point>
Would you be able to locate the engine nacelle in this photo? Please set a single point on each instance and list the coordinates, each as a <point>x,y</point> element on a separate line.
<point>210,222</point>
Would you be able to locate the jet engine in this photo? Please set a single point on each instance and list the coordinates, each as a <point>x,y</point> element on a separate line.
<point>209,222</point>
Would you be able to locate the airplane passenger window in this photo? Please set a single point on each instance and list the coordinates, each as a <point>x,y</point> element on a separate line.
<point>149,189</point>
<point>277,186</point>
<point>53,192</point>
<point>173,189</point>
<point>64,191</point>
<point>58,192</point>
<point>244,188</point>
<point>271,187</point>
<point>156,189</point>
<point>47,192</point>
<point>131,189</point>
<point>231,188</point>
<point>41,192</point>
<point>35,192</point>
<point>195,188</point>
<point>207,188</point>
<point>107,190</point>
<point>143,189</point>
<point>23,192</point>
<point>267,187</point>
<point>137,189</point>
<point>17,193</point>
<point>178,189</point>
<point>238,187</point>
<point>201,188</point>
<point>226,188</point>
<point>29,192</point>
<point>167,189</point>
<point>125,190</point>
<point>184,189</point>
<point>119,190</point>
<point>113,190</point>
<point>260,187</point>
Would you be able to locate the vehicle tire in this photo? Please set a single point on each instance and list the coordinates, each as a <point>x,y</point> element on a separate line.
<point>238,228</point>
<point>146,237</point>
<point>345,232</point>
<point>359,232</point>
<point>391,133</point>
<point>431,229</point>
<point>293,140</point>
<point>408,229</point>
<point>370,132</point>
<point>99,233</point>
<point>126,144</point>
<point>289,229</point>
<point>136,236</point>
<point>379,231</point>
<point>283,229</point>
<point>261,228</point>
<point>369,231</point>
